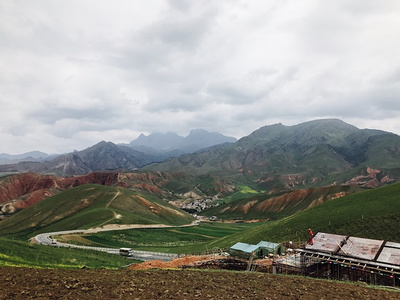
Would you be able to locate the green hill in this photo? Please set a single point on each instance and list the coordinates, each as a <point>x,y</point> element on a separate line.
<point>310,154</point>
<point>92,205</point>
<point>371,214</point>
<point>277,206</point>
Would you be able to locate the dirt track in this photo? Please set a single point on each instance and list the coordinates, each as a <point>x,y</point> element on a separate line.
<point>24,283</point>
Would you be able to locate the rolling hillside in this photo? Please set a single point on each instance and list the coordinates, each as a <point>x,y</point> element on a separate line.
<point>371,214</point>
<point>92,205</point>
<point>277,206</point>
<point>23,190</point>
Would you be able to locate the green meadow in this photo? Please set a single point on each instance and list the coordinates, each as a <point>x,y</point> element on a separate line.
<point>169,240</point>
<point>23,254</point>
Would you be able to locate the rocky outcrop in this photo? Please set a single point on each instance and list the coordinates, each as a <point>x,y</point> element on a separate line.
<point>371,178</point>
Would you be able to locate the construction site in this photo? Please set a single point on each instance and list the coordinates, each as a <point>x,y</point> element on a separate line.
<point>350,258</point>
<point>341,257</point>
<point>328,256</point>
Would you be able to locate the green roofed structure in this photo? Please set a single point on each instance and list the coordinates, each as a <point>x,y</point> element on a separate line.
<point>244,250</point>
<point>260,250</point>
<point>266,248</point>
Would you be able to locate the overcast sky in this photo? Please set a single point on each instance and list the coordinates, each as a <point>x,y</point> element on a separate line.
<point>73,73</point>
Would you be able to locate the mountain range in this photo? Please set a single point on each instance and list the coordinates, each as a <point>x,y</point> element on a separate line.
<point>29,156</point>
<point>106,156</point>
<point>314,153</point>
<point>171,144</point>
<point>275,171</point>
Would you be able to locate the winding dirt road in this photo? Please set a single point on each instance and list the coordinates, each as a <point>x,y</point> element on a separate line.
<point>46,239</point>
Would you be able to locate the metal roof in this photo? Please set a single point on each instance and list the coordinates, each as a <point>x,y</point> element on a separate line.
<point>354,250</point>
<point>247,248</point>
<point>361,248</point>
<point>326,242</point>
<point>390,253</point>
<point>268,245</point>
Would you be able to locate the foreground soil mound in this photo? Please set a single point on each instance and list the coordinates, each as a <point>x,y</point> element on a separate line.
<point>24,283</point>
<point>173,264</point>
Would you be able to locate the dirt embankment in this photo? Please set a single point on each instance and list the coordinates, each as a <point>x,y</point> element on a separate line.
<point>23,283</point>
<point>175,263</point>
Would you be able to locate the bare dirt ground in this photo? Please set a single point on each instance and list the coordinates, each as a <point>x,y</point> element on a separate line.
<point>175,263</point>
<point>25,283</point>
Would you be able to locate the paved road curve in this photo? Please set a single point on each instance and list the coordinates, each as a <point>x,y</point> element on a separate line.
<point>45,239</point>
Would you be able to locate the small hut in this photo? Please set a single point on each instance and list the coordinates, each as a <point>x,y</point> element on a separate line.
<point>244,250</point>
<point>267,248</point>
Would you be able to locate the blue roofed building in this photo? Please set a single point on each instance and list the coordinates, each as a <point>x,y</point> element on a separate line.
<point>243,250</point>
<point>267,248</point>
<point>260,250</point>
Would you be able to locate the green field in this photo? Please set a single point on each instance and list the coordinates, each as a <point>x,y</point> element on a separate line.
<point>170,240</point>
<point>22,254</point>
<point>244,192</point>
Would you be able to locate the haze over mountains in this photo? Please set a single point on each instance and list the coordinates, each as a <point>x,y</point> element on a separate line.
<point>109,156</point>
<point>275,156</point>
<point>272,160</point>
<point>29,156</point>
<point>166,145</point>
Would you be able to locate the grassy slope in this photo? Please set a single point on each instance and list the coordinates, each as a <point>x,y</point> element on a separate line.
<point>92,205</point>
<point>371,214</point>
<point>23,254</point>
<point>277,206</point>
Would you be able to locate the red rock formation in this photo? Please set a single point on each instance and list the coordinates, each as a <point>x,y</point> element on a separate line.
<point>23,190</point>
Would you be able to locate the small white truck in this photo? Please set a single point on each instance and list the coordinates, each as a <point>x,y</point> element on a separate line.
<point>125,252</point>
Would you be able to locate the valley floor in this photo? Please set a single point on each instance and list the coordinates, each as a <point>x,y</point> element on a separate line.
<point>26,283</point>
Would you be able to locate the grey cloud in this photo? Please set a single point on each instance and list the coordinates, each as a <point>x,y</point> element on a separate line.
<point>157,46</point>
<point>77,71</point>
<point>255,86</point>
<point>173,103</point>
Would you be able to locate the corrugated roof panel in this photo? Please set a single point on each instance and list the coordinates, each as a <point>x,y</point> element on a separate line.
<point>354,249</point>
<point>361,248</point>
<point>393,245</point>
<point>326,242</point>
<point>248,248</point>
<point>390,255</point>
<point>268,245</point>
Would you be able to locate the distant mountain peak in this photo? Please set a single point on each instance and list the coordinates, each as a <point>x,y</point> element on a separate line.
<point>306,153</point>
<point>196,140</point>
